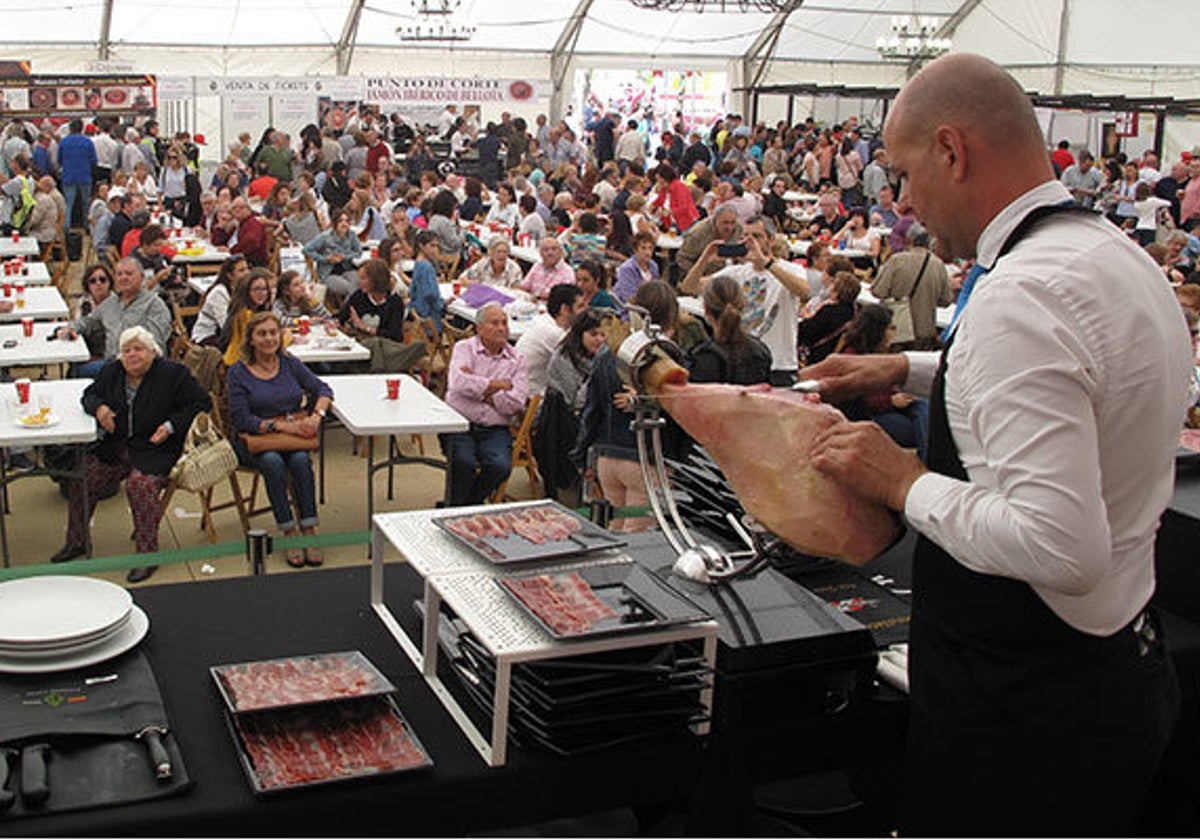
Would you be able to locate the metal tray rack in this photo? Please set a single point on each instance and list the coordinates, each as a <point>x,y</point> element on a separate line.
<point>465,581</point>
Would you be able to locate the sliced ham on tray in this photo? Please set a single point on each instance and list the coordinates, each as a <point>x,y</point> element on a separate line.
<point>761,438</point>
<point>564,602</point>
<point>323,743</point>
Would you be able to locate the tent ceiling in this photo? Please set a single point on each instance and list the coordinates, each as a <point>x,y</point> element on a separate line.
<point>1101,35</point>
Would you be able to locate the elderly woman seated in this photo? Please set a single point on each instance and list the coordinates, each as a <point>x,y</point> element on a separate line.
<point>144,405</point>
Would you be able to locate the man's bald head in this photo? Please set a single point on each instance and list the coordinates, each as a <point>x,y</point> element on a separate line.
<point>964,138</point>
<point>974,93</point>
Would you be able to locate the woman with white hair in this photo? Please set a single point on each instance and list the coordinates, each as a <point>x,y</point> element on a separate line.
<point>144,405</point>
<point>495,269</point>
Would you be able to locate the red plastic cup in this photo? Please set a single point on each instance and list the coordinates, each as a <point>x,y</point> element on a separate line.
<point>393,388</point>
<point>22,391</point>
<point>20,289</point>
<point>16,236</point>
<point>457,288</point>
<point>303,323</point>
<point>178,233</point>
<point>7,289</point>
<point>27,326</point>
<point>374,253</point>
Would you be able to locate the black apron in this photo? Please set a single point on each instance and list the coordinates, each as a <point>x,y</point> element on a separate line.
<point>1021,724</point>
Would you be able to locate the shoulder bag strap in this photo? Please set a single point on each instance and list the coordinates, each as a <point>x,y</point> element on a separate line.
<point>920,274</point>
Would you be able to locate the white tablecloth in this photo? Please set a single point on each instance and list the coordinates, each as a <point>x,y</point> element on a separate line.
<point>37,350</point>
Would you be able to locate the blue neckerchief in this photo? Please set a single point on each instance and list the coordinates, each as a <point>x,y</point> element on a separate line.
<point>977,270</point>
<point>968,286</point>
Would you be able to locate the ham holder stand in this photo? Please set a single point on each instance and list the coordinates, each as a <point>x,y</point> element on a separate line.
<point>697,561</point>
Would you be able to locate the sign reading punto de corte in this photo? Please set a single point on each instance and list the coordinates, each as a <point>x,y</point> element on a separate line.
<point>396,90</point>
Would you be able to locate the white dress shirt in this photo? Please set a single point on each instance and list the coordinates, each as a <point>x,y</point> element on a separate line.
<point>1065,391</point>
<point>537,344</point>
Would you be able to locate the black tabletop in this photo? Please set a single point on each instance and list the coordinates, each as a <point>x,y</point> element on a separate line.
<point>195,626</point>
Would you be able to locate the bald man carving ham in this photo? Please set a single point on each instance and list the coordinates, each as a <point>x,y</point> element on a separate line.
<point>1042,699</point>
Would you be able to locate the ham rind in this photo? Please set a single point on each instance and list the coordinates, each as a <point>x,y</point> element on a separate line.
<point>761,438</point>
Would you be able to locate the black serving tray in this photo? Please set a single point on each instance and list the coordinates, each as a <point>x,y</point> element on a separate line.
<point>334,720</point>
<point>638,600</point>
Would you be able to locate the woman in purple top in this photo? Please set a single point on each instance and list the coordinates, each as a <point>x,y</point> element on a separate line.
<point>266,390</point>
<point>638,269</point>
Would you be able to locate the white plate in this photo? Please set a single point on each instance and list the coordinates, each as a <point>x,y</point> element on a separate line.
<point>51,420</point>
<point>53,609</point>
<point>130,635</point>
<point>63,648</point>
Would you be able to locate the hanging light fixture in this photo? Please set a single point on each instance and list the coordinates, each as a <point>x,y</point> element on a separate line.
<point>718,6</point>
<point>913,39</point>
<point>435,24</point>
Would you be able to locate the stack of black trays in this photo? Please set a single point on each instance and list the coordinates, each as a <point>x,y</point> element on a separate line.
<point>584,703</point>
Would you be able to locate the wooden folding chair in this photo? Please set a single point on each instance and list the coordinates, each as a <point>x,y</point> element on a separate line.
<point>522,450</point>
<point>447,267</point>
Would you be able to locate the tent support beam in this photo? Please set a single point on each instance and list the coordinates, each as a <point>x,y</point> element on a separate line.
<point>345,45</point>
<point>1061,55</point>
<point>103,52</point>
<point>947,29</point>
<point>762,49</point>
<point>561,55</point>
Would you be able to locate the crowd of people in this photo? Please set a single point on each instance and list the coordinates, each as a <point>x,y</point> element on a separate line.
<point>593,203</point>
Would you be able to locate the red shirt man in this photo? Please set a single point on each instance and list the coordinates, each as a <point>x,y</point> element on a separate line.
<point>246,233</point>
<point>1062,156</point>
<point>377,152</point>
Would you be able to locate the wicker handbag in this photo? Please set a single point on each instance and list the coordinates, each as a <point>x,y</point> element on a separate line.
<point>207,456</point>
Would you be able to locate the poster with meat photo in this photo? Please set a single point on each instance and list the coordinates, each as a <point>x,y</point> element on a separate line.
<point>338,114</point>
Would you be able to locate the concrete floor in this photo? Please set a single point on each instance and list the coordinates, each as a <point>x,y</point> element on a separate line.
<point>38,518</point>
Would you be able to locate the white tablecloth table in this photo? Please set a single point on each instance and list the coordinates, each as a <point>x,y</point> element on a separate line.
<point>43,303</point>
<point>37,350</point>
<point>74,428</point>
<point>26,246</point>
<point>518,319</point>
<point>318,346</point>
<point>361,403</point>
<point>37,274</point>
<point>525,253</point>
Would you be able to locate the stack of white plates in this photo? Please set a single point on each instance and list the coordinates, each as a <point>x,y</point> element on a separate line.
<point>57,623</point>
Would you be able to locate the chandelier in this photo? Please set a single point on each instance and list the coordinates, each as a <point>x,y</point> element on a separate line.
<point>719,6</point>
<point>436,25</point>
<point>913,39</point>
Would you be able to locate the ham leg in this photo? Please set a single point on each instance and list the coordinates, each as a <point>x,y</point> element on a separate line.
<point>761,438</point>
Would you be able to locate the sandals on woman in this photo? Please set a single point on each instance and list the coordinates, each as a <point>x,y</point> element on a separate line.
<point>295,558</point>
<point>312,557</point>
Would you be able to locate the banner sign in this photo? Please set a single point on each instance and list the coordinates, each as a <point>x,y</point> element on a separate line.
<point>426,90</point>
<point>1126,123</point>
<point>174,87</point>
<point>242,86</point>
<point>77,96</point>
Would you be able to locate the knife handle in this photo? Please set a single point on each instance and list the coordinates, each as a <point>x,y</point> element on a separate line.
<point>35,787</point>
<point>7,797</point>
<point>159,757</point>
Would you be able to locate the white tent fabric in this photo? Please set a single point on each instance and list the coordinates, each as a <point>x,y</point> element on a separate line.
<point>1065,46</point>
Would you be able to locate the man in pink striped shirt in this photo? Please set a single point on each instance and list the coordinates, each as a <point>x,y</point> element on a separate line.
<point>551,271</point>
<point>488,385</point>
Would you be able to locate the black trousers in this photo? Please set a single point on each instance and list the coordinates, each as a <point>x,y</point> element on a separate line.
<point>1067,749</point>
